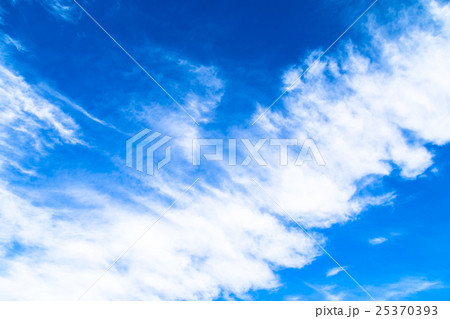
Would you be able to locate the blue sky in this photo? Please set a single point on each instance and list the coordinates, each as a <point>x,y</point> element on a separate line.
<point>377,105</point>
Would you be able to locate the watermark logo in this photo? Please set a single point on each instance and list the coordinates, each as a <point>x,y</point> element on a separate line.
<point>142,147</point>
<point>145,144</point>
<point>253,151</point>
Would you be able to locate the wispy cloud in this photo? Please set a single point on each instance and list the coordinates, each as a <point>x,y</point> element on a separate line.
<point>404,288</point>
<point>334,271</point>
<point>29,124</point>
<point>216,242</point>
<point>206,91</point>
<point>63,9</point>
<point>400,290</point>
<point>14,42</point>
<point>59,96</point>
<point>329,292</point>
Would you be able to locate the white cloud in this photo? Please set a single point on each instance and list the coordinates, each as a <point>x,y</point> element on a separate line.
<point>24,109</point>
<point>14,42</point>
<point>206,91</point>
<point>406,287</point>
<point>226,237</point>
<point>219,243</point>
<point>399,290</point>
<point>369,112</point>
<point>213,241</point>
<point>334,271</point>
<point>55,94</point>
<point>328,292</point>
<point>29,124</point>
<point>64,9</point>
<point>377,241</point>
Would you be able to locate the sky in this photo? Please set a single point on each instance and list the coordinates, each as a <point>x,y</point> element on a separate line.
<point>77,223</point>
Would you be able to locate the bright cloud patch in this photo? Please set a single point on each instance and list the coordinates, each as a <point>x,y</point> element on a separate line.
<point>377,241</point>
<point>334,271</point>
<point>369,112</point>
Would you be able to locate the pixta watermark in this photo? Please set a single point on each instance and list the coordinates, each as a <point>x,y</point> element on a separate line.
<point>142,147</point>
